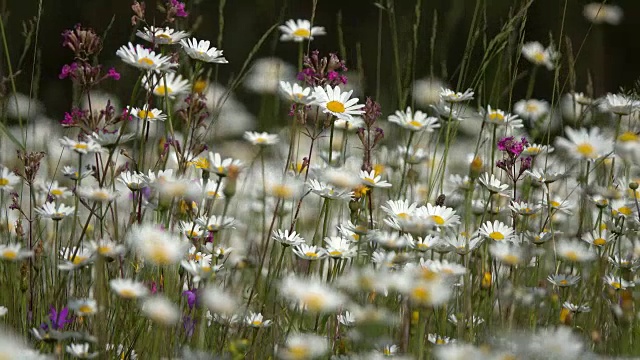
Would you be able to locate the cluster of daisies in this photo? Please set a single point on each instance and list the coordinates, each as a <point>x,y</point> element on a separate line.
<point>447,229</point>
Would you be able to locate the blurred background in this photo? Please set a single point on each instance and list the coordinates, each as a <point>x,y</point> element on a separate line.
<point>608,55</point>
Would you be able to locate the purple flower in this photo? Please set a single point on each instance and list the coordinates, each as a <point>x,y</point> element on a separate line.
<point>178,7</point>
<point>113,74</point>
<point>57,319</point>
<point>191,297</point>
<point>189,325</point>
<point>67,70</point>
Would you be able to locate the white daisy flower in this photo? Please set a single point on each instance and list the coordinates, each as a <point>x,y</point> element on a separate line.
<point>106,247</point>
<point>585,144</point>
<point>497,231</point>
<point>83,307</point>
<point>507,253</point>
<point>128,289</point>
<point>501,118</point>
<point>309,252</point>
<point>160,36</point>
<point>49,210</point>
<point>337,103</point>
<point>601,13</point>
<point>96,193</point>
<point>80,351</point>
<point>450,96</point>
<point>311,294</point>
<point>146,114</point>
<point>399,208</point>
<point>161,310</point>
<point>256,320</point>
<point>426,91</point>
<point>574,251</point>
<point>536,149</point>
<point>417,121</point>
<point>287,238</point>
<point>563,280</point>
<point>619,104</point>
<point>133,180</point>
<point>155,245</point>
<point>13,252</point>
<point>299,30</point>
<point>81,147</point>
<point>216,223</point>
<point>370,179</point>
<point>202,51</point>
<point>531,109</point>
<point>145,59</point>
<point>55,190</point>
<point>260,139</point>
<point>166,84</point>
<point>328,191</point>
<point>538,54</point>
<point>219,301</point>
<point>617,282</point>
<point>493,184</point>
<point>441,216</point>
<point>296,93</point>
<point>221,167</point>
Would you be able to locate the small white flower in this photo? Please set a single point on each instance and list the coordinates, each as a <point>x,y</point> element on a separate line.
<point>201,50</point>
<point>538,54</point>
<point>80,351</point>
<point>145,59</point>
<point>601,13</point>
<point>337,103</point>
<point>160,36</point>
<point>450,96</point>
<point>299,30</point>
<point>261,139</point>
<point>296,93</point>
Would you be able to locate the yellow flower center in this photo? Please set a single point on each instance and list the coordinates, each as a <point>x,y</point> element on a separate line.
<point>163,90</point>
<point>335,253</point>
<point>256,323</point>
<point>571,255</point>
<point>616,285</point>
<point>81,146</point>
<point>539,57</point>
<point>496,235</point>
<point>534,150</point>
<point>335,106</point>
<point>85,309</point>
<point>625,210</point>
<point>585,149</point>
<point>78,259</point>
<point>101,195</point>
<point>496,116</point>
<point>298,352</point>
<point>10,254</point>
<point>437,219</point>
<point>415,123</point>
<point>511,259</point>
<point>311,254</point>
<point>439,341</point>
<point>628,136</point>
<point>387,351</point>
<point>563,282</point>
<point>599,241</point>
<point>282,191</point>
<point>314,302</point>
<point>305,33</point>
<point>160,256</point>
<point>201,163</point>
<point>104,249</point>
<point>146,61</point>
<point>4,182</point>
<point>403,215</point>
<point>421,294</point>
<point>144,114</point>
<point>56,192</point>
<point>555,204</point>
<point>199,86</point>
<point>531,108</point>
<point>163,36</point>
<point>127,293</point>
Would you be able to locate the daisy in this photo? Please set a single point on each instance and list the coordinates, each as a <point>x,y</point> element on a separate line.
<point>617,282</point>
<point>256,320</point>
<point>96,194</point>
<point>426,91</point>
<point>155,245</point>
<point>459,242</point>
<point>13,252</point>
<point>426,293</point>
<point>75,258</point>
<point>441,216</point>
<point>200,270</point>
<point>524,208</point>
<point>370,179</point>
<point>309,252</point>
<point>55,190</point>
<point>216,223</point>
<point>213,189</point>
<point>299,30</point>
<point>161,310</point>
<point>417,121</point>
<point>296,93</point>
<point>493,184</point>
<point>329,191</point>
<point>439,339</point>
<point>133,180</point>
<point>337,103</point>
<point>536,149</point>
<point>304,346</point>
<point>128,289</point>
<point>619,104</point>
<point>576,308</point>
<point>260,139</point>
<point>544,176</point>
<point>399,208</point>
<point>222,167</point>
<point>84,307</point>
<point>166,84</point>
<point>389,350</point>
<point>145,59</point>
<point>74,174</point>
<point>597,239</point>
<point>80,351</point>
<point>600,13</point>
<point>49,210</point>
<point>146,114</point>
<point>443,268</point>
<point>106,247</point>
<point>311,294</point>
<point>585,144</point>
<point>190,229</point>
<point>563,280</point>
<point>628,262</point>
<point>451,96</point>
<point>202,51</point>
<point>430,242</point>
<point>354,124</point>
<point>219,301</point>
<point>340,177</point>
<point>574,251</point>
<point>497,231</point>
<point>507,254</point>
<point>284,188</point>
<point>81,147</point>
<point>110,139</point>
<point>531,109</point>
<point>391,240</point>
<point>160,36</point>
<point>499,117</point>
<point>538,55</point>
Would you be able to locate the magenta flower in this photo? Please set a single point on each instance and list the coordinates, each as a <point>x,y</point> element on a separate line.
<point>113,74</point>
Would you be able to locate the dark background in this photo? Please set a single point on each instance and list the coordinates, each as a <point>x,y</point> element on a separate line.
<point>609,54</point>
